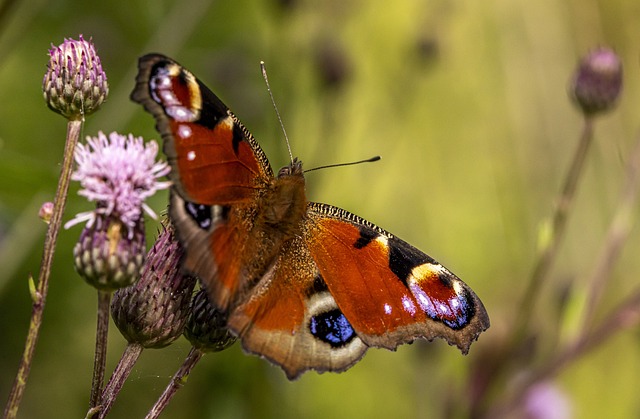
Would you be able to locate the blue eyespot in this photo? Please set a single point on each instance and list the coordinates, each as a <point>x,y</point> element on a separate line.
<point>332,327</point>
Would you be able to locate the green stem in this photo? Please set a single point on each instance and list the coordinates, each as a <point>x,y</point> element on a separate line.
<point>100,359</point>
<point>617,235</point>
<point>494,375</point>
<point>178,380</point>
<point>559,222</point>
<point>40,296</point>
<point>624,316</point>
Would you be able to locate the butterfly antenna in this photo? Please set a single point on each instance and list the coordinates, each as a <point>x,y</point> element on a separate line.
<point>372,159</point>
<point>266,80</point>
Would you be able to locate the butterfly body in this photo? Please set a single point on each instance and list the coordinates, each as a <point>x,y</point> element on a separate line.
<point>306,285</point>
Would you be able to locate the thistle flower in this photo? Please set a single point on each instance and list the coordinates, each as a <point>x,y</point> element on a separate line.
<point>153,312</point>
<point>207,326</point>
<point>75,84</point>
<point>118,174</point>
<point>597,81</point>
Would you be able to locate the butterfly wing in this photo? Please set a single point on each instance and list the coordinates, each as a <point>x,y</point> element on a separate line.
<point>345,285</point>
<point>292,320</point>
<point>389,291</point>
<point>217,169</point>
<point>214,158</point>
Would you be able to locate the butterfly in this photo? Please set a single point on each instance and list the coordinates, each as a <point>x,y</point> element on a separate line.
<point>307,286</point>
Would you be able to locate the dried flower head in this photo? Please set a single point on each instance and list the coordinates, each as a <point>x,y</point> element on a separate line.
<point>75,84</point>
<point>118,174</point>
<point>153,312</point>
<point>207,326</point>
<point>597,82</point>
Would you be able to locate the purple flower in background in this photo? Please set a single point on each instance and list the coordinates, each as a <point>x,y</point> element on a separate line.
<point>545,400</point>
<point>597,82</point>
<point>118,173</point>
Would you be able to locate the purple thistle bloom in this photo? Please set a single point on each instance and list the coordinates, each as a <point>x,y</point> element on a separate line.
<point>74,84</point>
<point>545,400</point>
<point>118,173</point>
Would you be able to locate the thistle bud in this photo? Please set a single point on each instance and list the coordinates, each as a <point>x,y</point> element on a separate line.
<point>75,84</point>
<point>46,212</point>
<point>153,312</point>
<point>597,82</point>
<point>206,328</point>
<point>107,256</point>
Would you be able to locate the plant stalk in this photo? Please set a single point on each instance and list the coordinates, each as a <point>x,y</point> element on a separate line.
<point>39,297</point>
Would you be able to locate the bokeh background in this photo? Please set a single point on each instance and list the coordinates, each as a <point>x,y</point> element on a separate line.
<point>465,101</point>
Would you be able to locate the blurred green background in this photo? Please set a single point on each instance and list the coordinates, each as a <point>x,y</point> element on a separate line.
<point>465,101</point>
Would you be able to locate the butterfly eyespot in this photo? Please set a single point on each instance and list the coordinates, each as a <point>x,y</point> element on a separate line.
<point>332,327</point>
<point>201,214</point>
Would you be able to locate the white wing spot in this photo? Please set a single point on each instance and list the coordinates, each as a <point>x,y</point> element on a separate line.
<point>408,305</point>
<point>184,131</point>
<point>191,155</point>
<point>387,309</point>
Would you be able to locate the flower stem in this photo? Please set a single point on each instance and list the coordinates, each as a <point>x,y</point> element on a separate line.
<point>617,235</point>
<point>127,361</point>
<point>494,375</point>
<point>40,295</point>
<point>178,380</point>
<point>559,222</point>
<point>102,331</point>
<point>625,316</point>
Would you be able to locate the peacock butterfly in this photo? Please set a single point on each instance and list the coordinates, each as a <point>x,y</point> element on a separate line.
<point>305,285</point>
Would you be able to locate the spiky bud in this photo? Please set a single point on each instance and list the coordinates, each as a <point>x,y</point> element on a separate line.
<point>153,312</point>
<point>597,82</point>
<point>75,84</point>
<point>108,254</point>
<point>206,328</point>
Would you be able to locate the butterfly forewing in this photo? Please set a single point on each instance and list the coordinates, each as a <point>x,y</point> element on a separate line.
<point>215,160</point>
<point>389,291</point>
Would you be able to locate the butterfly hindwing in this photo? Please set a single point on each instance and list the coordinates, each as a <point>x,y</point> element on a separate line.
<point>293,320</point>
